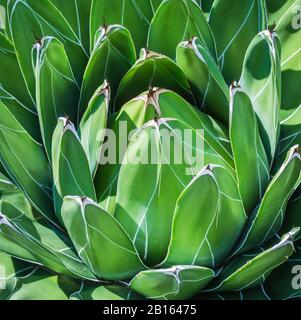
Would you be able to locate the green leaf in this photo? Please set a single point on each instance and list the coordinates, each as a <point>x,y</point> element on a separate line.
<point>217,208</point>
<point>206,81</point>
<point>261,80</point>
<point>5,183</point>
<point>152,70</point>
<point>71,171</point>
<point>248,150</point>
<point>134,15</point>
<point>206,6</point>
<point>267,219</point>
<point>48,247</point>
<point>247,19</point>
<point>77,14</point>
<point>162,158</point>
<point>134,114</point>
<point>286,277</point>
<point>22,281</point>
<point>57,92</point>
<point>26,163</point>
<point>99,240</point>
<point>113,46</point>
<point>13,84</point>
<point>93,125</point>
<point>180,20</point>
<point>105,292</point>
<point>251,270</point>
<point>38,19</point>
<point>176,283</point>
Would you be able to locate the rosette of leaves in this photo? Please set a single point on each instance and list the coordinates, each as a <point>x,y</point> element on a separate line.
<point>74,225</point>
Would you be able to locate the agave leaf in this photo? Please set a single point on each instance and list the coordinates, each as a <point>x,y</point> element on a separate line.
<point>134,15</point>
<point>113,46</point>
<point>26,163</point>
<point>49,247</point>
<point>190,246</point>
<point>217,217</point>
<point>57,92</point>
<point>251,270</point>
<point>18,199</point>
<point>133,115</point>
<point>23,281</point>
<point>168,159</point>
<point>248,150</point>
<point>247,19</point>
<point>71,171</point>
<point>77,14</point>
<point>152,70</point>
<point>190,21</point>
<point>267,220</point>
<point>5,183</point>
<point>13,84</point>
<point>105,292</point>
<point>261,80</point>
<point>91,228</point>
<point>292,215</point>
<point>38,24</point>
<point>286,277</point>
<point>290,136</point>
<point>93,124</point>
<point>290,58</point>
<point>176,283</point>
<point>207,83</point>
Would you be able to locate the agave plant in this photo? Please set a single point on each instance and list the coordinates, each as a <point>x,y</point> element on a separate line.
<point>75,225</point>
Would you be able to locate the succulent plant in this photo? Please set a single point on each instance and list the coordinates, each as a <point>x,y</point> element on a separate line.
<point>223,223</point>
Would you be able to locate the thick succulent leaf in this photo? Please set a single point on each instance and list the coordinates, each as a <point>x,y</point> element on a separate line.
<point>146,107</point>
<point>196,208</point>
<point>77,14</point>
<point>5,183</point>
<point>261,80</point>
<point>38,19</point>
<point>134,15</point>
<point>22,281</point>
<point>49,247</point>
<point>217,217</point>
<point>290,135</point>
<point>285,16</point>
<point>163,167</point>
<point>13,84</point>
<point>93,124</point>
<point>57,92</point>
<point>99,240</point>
<point>105,292</point>
<point>152,70</point>
<point>176,283</point>
<point>284,282</point>
<point>251,270</point>
<point>247,19</point>
<point>206,81</point>
<point>113,46</point>
<point>248,151</point>
<point>292,215</point>
<point>18,200</point>
<point>190,21</point>
<point>26,163</point>
<point>267,220</point>
<point>71,171</point>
